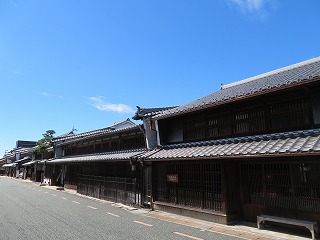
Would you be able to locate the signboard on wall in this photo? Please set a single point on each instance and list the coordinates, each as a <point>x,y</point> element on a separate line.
<point>174,178</point>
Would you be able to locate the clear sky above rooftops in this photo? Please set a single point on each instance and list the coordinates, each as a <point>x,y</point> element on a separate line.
<point>88,64</point>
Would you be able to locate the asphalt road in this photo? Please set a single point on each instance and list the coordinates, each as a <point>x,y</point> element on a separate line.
<point>28,211</point>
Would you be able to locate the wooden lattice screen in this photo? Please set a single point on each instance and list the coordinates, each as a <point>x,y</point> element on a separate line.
<point>198,185</point>
<point>282,185</point>
<point>249,119</point>
<point>123,190</point>
<point>135,142</point>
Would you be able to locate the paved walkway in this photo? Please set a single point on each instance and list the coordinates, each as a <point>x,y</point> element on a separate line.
<point>245,230</point>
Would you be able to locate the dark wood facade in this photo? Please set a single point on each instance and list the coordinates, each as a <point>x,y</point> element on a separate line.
<point>193,188</point>
<point>129,141</point>
<point>270,113</point>
<point>288,187</point>
<point>231,190</point>
<point>228,189</point>
<point>100,169</point>
<point>88,164</point>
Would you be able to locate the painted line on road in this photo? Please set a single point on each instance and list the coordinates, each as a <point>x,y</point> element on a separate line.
<point>188,236</point>
<point>76,202</point>
<point>112,214</point>
<point>54,195</point>
<point>45,192</point>
<point>92,207</point>
<point>39,190</point>
<point>142,223</point>
<point>64,198</point>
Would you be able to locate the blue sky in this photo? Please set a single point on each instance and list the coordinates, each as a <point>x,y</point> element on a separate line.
<point>88,64</point>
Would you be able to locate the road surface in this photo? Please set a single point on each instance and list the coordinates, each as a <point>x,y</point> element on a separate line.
<point>28,211</point>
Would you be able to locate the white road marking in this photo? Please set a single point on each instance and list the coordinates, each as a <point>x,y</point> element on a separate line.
<point>92,207</point>
<point>76,202</point>
<point>45,192</point>
<point>64,198</point>
<point>142,223</point>
<point>188,236</point>
<point>112,214</point>
<point>53,195</point>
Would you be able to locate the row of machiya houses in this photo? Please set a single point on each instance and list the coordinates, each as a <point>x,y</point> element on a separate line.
<point>250,148</point>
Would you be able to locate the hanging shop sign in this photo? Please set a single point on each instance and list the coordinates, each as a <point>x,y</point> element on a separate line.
<point>174,178</point>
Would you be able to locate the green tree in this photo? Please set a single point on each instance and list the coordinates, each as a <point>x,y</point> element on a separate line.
<point>44,143</point>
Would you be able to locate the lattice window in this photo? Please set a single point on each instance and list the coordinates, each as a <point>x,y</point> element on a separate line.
<point>219,125</point>
<point>98,148</point>
<point>115,145</point>
<point>252,182</point>
<point>307,188</point>
<point>278,185</point>
<point>282,185</point>
<point>288,114</point>
<point>106,147</point>
<point>132,143</point>
<point>195,129</point>
<point>279,115</point>
<point>199,185</point>
<point>249,120</point>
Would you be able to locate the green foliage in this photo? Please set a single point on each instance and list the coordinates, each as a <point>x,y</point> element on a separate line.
<point>44,143</point>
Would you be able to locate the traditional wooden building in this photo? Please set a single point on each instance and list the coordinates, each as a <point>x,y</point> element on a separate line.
<point>21,154</point>
<point>251,148</point>
<point>100,163</point>
<point>2,169</point>
<point>35,169</point>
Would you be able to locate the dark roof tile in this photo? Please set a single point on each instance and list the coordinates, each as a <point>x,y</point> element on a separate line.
<point>301,72</point>
<point>117,127</point>
<point>149,112</point>
<point>99,157</point>
<point>267,144</point>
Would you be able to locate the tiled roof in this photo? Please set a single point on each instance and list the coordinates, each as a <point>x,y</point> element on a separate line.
<point>13,152</point>
<point>65,135</point>
<point>24,159</point>
<point>100,157</point>
<point>307,141</point>
<point>274,80</point>
<point>149,112</point>
<point>120,126</point>
<point>30,163</point>
<point>9,165</point>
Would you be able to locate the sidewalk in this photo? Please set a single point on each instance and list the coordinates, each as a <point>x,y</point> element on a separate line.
<point>245,230</point>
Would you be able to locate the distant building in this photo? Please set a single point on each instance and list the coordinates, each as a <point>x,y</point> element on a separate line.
<point>14,159</point>
<point>100,163</point>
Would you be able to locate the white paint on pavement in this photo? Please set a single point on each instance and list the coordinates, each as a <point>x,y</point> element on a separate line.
<point>112,214</point>
<point>92,207</point>
<point>188,236</point>
<point>142,223</point>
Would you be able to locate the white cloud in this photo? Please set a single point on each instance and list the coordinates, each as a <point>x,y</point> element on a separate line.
<point>259,9</point>
<point>248,5</point>
<point>50,95</point>
<point>100,104</point>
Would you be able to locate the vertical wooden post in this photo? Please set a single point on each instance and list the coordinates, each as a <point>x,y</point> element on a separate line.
<point>264,184</point>
<point>224,190</point>
<point>151,189</point>
<point>293,192</point>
